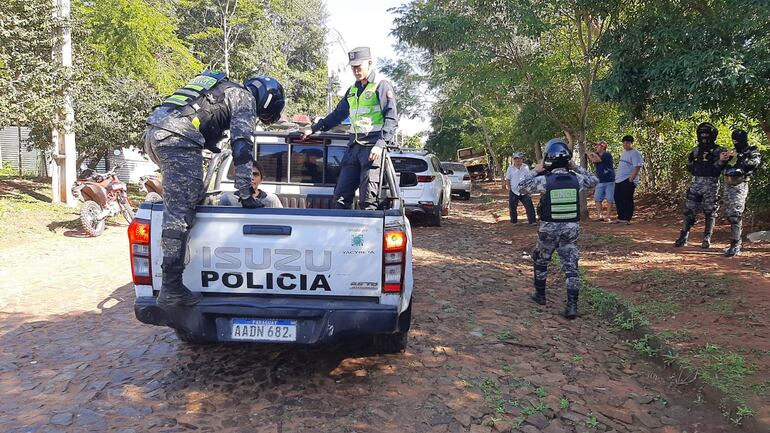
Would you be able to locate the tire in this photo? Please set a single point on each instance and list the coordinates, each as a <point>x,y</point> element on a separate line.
<point>88,218</point>
<point>434,220</point>
<point>465,195</point>
<point>395,343</point>
<point>188,338</point>
<point>153,197</point>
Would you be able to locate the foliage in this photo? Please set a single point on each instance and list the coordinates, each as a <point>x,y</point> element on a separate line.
<point>687,56</point>
<point>27,76</point>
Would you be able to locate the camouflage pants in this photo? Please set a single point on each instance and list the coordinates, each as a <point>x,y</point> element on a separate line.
<point>181,164</point>
<point>703,195</point>
<point>735,203</point>
<point>561,238</point>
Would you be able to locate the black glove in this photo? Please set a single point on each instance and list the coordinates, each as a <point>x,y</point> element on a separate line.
<point>212,147</point>
<point>251,203</point>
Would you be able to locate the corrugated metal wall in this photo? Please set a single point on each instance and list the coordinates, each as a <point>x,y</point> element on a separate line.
<point>32,162</point>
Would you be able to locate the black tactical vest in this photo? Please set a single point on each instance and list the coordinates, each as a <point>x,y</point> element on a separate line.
<point>703,161</point>
<point>747,160</point>
<point>560,203</point>
<point>202,101</point>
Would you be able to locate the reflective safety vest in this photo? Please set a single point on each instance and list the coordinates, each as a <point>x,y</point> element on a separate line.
<point>560,203</point>
<point>202,101</point>
<point>365,113</point>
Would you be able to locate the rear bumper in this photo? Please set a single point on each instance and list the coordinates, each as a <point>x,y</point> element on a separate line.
<point>461,187</point>
<point>318,321</point>
<point>417,209</point>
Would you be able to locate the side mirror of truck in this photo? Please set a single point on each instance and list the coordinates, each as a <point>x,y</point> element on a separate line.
<point>407,179</point>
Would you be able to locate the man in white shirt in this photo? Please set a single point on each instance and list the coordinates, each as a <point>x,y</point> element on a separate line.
<point>515,173</point>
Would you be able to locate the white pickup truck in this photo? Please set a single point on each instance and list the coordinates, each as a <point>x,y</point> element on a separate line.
<point>305,273</point>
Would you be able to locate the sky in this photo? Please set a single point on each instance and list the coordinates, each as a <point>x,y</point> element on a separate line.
<point>351,25</point>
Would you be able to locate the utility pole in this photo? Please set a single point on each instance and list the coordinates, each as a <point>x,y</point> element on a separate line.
<point>62,136</point>
<point>331,90</point>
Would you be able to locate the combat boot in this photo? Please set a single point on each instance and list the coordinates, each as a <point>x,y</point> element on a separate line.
<point>682,240</point>
<point>173,292</point>
<point>710,222</point>
<point>572,304</point>
<point>734,249</point>
<point>539,295</point>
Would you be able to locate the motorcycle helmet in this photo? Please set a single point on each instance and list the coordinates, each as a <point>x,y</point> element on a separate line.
<point>557,154</point>
<point>269,95</point>
<point>707,133</point>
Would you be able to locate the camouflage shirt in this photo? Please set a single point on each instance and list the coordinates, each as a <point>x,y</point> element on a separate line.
<point>238,105</point>
<point>533,183</point>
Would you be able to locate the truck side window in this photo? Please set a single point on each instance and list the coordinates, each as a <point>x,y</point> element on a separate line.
<point>307,164</point>
<point>333,160</point>
<point>275,160</point>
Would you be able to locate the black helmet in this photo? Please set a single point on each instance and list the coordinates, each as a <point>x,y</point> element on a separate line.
<point>557,154</point>
<point>734,171</point>
<point>269,95</point>
<point>707,133</point>
<point>741,137</point>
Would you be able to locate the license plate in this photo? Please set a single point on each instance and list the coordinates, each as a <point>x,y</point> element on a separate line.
<point>264,330</point>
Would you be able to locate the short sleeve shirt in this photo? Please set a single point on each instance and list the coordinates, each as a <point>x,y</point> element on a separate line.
<point>629,159</point>
<point>605,170</point>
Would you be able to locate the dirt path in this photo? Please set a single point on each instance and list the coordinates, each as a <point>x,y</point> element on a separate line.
<point>481,358</point>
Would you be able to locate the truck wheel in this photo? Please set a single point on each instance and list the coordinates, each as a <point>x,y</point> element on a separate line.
<point>434,220</point>
<point>396,343</point>
<point>466,195</point>
<point>188,338</point>
<point>89,218</point>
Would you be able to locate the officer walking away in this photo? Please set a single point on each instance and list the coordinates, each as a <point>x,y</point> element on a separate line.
<point>193,118</point>
<point>705,163</point>
<point>747,159</point>
<point>513,176</point>
<point>371,105</point>
<point>559,182</point>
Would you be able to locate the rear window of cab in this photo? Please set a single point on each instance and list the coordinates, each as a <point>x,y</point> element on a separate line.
<point>401,163</point>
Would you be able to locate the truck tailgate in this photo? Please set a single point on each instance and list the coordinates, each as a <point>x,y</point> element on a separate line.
<point>286,252</point>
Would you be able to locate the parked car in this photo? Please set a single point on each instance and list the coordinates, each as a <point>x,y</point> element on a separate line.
<point>306,273</point>
<point>432,196</point>
<point>460,178</point>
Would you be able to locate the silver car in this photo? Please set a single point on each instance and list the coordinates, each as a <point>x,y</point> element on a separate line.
<point>460,178</point>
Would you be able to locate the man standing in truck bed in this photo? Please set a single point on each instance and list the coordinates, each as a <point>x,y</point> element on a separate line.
<point>371,105</point>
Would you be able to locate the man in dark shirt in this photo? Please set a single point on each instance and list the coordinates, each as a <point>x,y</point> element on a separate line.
<point>371,105</point>
<point>605,171</point>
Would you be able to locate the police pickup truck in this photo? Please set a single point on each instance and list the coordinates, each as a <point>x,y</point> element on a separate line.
<point>305,273</point>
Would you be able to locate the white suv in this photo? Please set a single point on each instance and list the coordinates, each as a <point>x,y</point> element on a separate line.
<point>432,195</point>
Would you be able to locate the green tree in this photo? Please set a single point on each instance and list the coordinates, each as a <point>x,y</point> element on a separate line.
<point>683,57</point>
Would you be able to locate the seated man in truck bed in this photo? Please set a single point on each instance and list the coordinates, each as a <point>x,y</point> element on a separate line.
<point>268,199</point>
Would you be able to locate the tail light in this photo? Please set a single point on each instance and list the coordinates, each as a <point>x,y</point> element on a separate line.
<point>394,257</point>
<point>467,177</point>
<point>424,179</point>
<point>139,244</point>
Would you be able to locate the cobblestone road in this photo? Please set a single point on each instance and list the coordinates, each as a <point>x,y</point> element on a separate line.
<point>482,357</point>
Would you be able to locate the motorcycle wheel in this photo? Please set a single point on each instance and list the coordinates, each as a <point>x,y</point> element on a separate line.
<point>125,210</point>
<point>153,197</point>
<point>89,218</point>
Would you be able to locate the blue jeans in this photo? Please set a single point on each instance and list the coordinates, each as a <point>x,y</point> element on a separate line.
<point>356,171</point>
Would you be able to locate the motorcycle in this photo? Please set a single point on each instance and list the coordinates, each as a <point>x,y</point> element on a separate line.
<point>151,184</point>
<point>103,196</point>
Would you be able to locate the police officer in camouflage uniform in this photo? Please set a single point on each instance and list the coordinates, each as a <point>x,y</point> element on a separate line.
<point>705,163</point>
<point>371,105</point>
<point>559,182</point>
<point>193,118</point>
<point>747,159</point>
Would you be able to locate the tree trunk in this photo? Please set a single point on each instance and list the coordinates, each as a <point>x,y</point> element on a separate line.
<point>765,124</point>
<point>538,151</point>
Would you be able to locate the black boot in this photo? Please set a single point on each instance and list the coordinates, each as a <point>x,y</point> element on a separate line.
<point>734,249</point>
<point>539,295</point>
<point>682,240</point>
<point>710,222</point>
<point>173,292</point>
<point>684,234</point>
<point>572,303</point>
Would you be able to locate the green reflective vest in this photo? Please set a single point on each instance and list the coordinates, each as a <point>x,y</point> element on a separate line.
<point>365,113</point>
